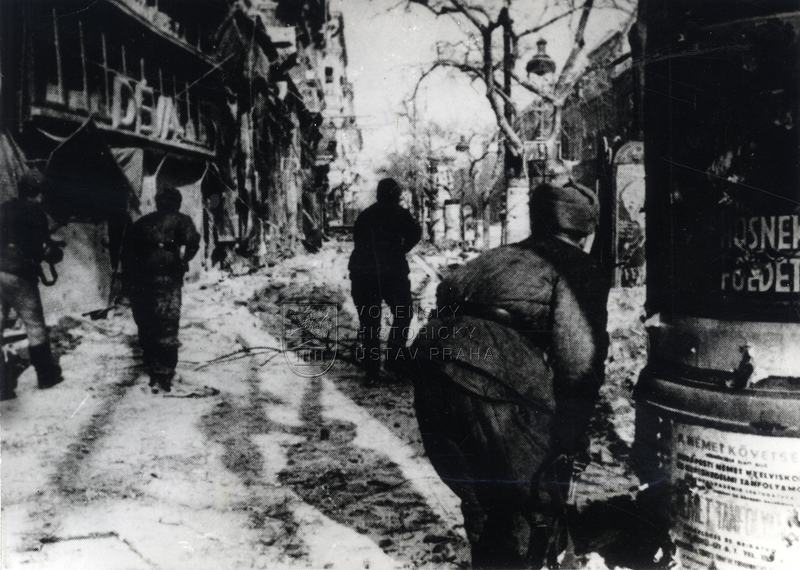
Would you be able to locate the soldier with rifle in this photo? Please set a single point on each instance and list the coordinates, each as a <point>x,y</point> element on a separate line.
<point>25,243</point>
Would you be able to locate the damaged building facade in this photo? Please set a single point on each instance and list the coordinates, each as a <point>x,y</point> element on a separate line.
<point>111,101</point>
<point>342,141</point>
<point>114,99</point>
<point>297,133</point>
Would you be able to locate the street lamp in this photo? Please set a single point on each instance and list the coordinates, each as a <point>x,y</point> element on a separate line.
<point>463,149</point>
<point>541,63</point>
<point>538,156</point>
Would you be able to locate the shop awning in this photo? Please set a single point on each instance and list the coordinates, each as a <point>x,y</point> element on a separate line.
<point>86,181</point>
<point>12,166</point>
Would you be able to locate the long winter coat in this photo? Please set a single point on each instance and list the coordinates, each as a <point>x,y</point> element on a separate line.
<point>152,245</point>
<point>23,235</point>
<point>382,236</point>
<point>511,366</point>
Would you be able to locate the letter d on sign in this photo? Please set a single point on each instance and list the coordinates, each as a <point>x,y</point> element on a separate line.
<point>123,109</point>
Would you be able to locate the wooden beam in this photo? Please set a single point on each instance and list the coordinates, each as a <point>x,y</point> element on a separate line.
<point>59,69</point>
<point>188,107</point>
<point>28,67</point>
<point>83,66</point>
<point>105,72</point>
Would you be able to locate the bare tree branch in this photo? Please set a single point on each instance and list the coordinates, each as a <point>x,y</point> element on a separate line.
<point>470,70</point>
<point>456,7</point>
<point>512,137</point>
<point>546,23</point>
<point>486,151</point>
<point>578,43</point>
<point>532,87</point>
<point>441,11</point>
<point>479,59</point>
<point>464,8</point>
<point>567,81</point>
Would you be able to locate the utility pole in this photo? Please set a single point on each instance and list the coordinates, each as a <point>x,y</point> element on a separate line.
<point>508,65</point>
<point>516,223</point>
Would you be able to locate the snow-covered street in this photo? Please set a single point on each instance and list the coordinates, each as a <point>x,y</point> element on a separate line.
<point>247,464</point>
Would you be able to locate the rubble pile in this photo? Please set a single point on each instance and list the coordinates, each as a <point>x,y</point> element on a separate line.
<point>627,356</point>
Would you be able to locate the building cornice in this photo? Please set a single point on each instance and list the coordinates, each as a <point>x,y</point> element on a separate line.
<point>151,27</point>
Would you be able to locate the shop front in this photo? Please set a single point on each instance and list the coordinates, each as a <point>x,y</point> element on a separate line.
<point>111,103</point>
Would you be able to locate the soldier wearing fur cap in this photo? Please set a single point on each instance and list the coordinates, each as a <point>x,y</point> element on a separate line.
<point>504,406</point>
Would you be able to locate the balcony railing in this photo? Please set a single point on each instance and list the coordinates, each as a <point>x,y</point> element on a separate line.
<point>162,22</point>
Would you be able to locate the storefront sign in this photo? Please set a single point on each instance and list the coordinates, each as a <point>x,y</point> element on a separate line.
<point>136,107</point>
<point>737,499</point>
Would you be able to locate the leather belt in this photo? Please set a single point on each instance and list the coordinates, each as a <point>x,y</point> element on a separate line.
<point>490,313</point>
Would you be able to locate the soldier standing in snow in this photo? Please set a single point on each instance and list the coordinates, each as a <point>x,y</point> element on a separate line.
<point>509,380</point>
<point>157,251</point>
<point>382,236</point>
<point>24,244</point>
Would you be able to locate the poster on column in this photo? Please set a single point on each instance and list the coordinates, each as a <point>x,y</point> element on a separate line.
<point>736,500</point>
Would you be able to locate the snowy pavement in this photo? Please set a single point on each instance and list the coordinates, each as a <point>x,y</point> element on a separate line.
<point>228,472</point>
<point>249,464</point>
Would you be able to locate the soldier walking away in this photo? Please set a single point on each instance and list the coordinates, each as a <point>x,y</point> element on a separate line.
<point>157,251</point>
<point>24,244</point>
<point>382,235</point>
<point>509,372</point>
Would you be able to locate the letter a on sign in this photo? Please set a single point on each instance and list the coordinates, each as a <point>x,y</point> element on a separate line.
<point>167,124</point>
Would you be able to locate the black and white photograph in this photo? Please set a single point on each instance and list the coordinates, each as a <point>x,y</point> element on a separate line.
<point>399,284</point>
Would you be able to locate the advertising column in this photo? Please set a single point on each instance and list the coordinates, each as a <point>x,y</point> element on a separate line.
<point>718,411</point>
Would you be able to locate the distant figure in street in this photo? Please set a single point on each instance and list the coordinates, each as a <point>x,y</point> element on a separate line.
<point>509,372</point>
<point>156,255</point>
<point>383,234</point>
<point>24,244</point>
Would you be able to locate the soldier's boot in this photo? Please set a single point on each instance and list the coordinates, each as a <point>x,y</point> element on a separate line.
<point>372,367</point>
<point>497,546</point>
<point>160,382</point>
<point>398,359</point>
<point>8,379</point>
<point>48,372</point>
<point>166,384</point>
